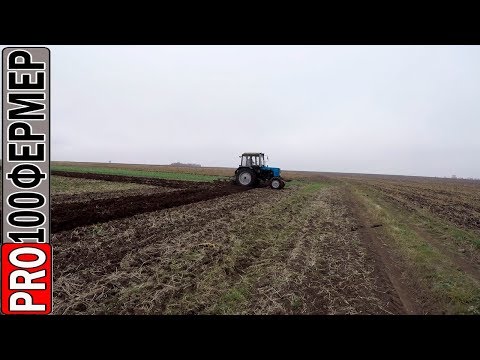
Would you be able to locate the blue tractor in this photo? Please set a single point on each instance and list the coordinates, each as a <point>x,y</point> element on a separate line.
<point>253,170</point>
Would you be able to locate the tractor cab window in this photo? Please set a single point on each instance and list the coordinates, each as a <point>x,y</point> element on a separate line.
<point>258,160</point>
<point>252,160</point>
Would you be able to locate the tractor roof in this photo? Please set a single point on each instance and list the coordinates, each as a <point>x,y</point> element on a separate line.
<point>252,153</point>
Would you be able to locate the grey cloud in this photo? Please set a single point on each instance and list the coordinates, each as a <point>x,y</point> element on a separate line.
<point>378,109</point>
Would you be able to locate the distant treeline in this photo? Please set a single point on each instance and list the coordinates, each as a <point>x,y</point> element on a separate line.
<point>186,165</point>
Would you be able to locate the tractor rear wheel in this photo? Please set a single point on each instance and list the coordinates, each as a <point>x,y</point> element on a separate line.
<point>276,183</point>
<point>246,177</point>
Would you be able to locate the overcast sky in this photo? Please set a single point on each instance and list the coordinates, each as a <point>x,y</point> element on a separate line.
<point>412,110</point>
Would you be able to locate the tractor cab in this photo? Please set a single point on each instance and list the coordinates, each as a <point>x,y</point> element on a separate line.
<point>252,159</point>
<point>253,170</point>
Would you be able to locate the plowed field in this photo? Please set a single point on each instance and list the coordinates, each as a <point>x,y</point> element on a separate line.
<point>325,245</point>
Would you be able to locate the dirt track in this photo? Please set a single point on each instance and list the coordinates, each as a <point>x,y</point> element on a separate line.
<point>385,264</point>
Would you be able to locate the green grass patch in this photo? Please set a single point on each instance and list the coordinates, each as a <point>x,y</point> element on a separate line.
<point>68,185</point>
<point>311,187</point>
<point>234,299</point>
<point>306,186</point>
<point>294,183</point>
<point>140,173</point>
<point>446,230</point>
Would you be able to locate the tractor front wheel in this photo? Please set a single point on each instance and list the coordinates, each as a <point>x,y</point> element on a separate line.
<point>277,183</point>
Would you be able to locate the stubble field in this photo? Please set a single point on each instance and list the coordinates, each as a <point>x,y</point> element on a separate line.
<point>326,244</point>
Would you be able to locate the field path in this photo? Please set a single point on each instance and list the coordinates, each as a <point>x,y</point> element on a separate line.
<point>431,262</point>
<point>326,268</point>
<point>384,261</point>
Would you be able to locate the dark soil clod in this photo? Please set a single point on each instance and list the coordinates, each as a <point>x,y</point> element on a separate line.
<point>355,228</point>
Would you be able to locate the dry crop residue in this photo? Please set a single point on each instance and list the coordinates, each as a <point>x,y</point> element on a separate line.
<point>256,252</point>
